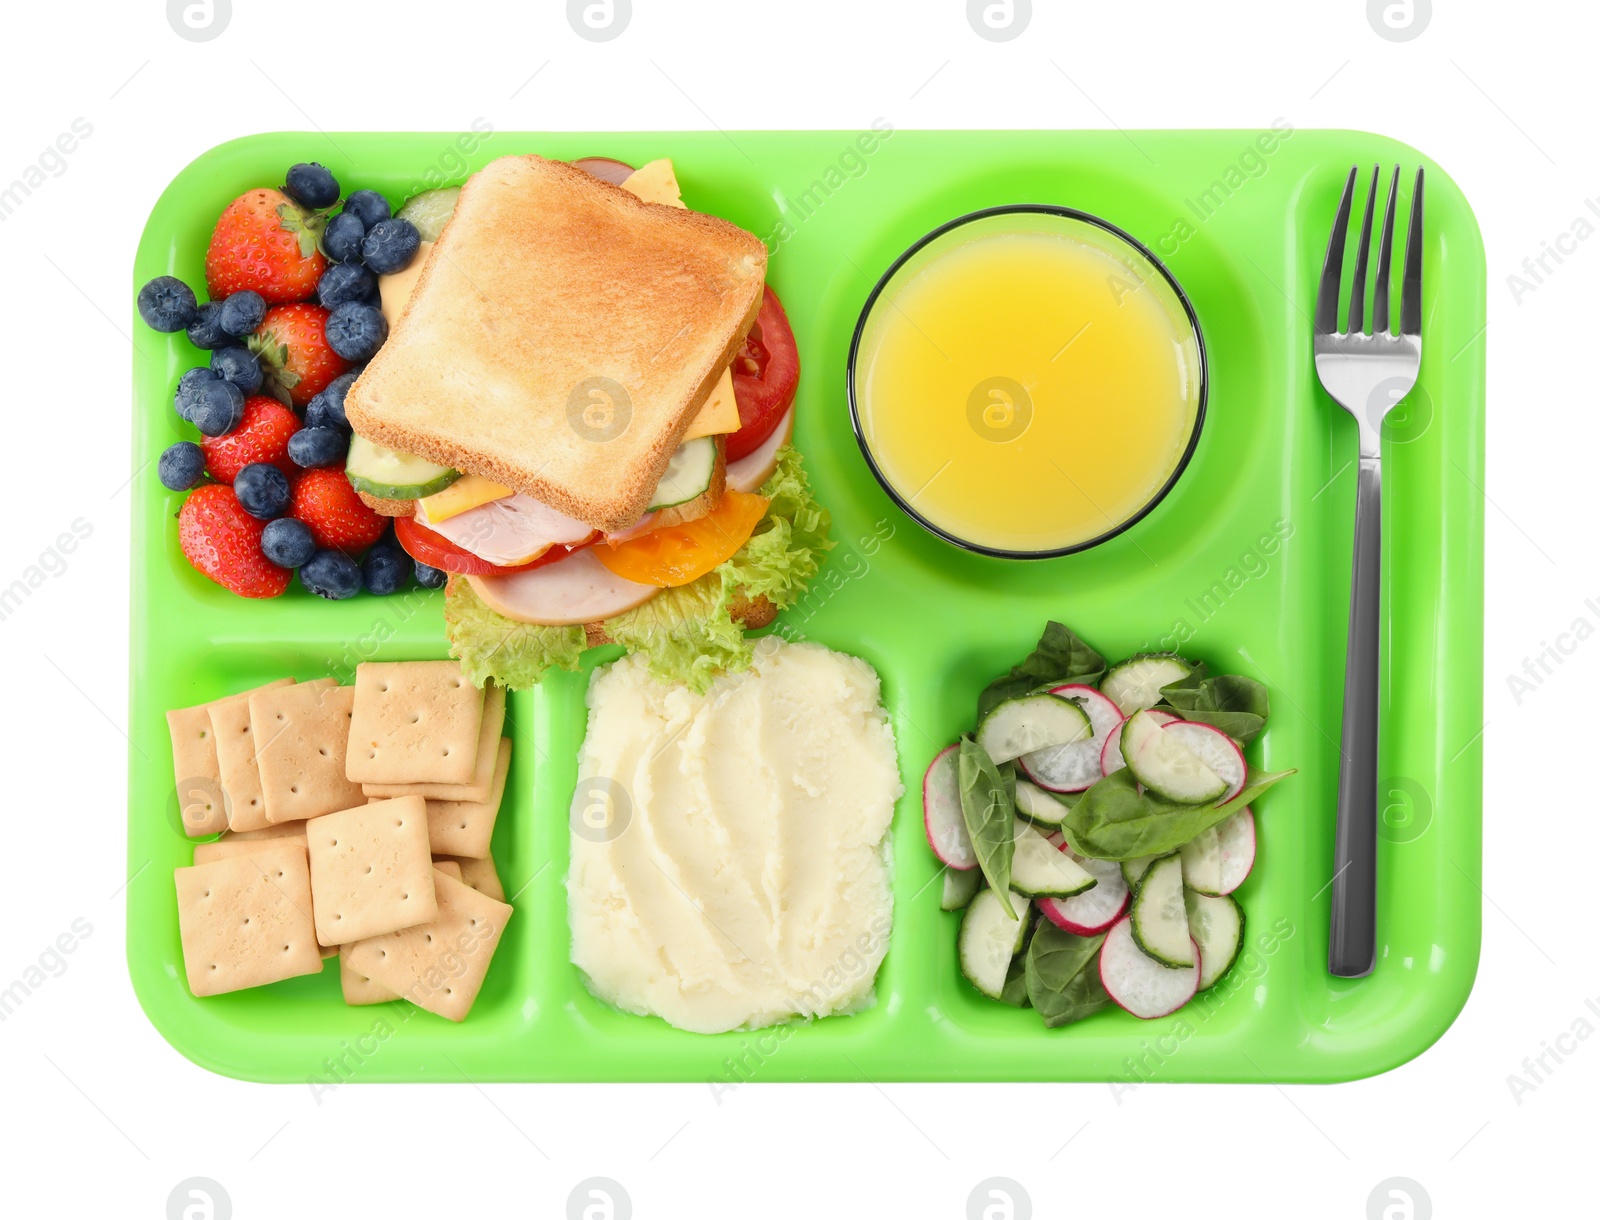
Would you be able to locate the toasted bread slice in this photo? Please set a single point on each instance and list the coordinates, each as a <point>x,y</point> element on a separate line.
<point>388,508</point>
<point>562,337</point>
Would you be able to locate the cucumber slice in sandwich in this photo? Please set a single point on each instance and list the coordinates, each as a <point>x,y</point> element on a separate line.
<point>429,211</point>
<point>391,475</point>
<point>688,474</point>
<point>1040,869</point>
<point>1031,722</point>
<point>1217,925</point>
<point>1158,915</point>
<point>1161,761</point>
<point>989,939</point>
<point>1135,684</point>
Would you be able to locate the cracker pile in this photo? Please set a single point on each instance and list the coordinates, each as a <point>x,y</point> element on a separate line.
<point>356,821</point>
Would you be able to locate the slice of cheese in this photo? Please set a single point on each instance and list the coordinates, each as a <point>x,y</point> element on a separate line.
<point>469,491</point>
<point>657,183</point>
<point>395,290</point>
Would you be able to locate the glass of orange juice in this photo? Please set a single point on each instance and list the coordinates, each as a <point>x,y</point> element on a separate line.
<point>1027,381</point>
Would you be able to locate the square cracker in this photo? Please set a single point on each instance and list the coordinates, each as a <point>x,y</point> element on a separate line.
<point>300,734</point>
<point>438,965</point>
<point>194,766</point>
<point>483,764</point>
<point>282,830</point>
<point>246,921</point>
<point>414,722</point>
<point>235,845</point>
<point>450,868</point>
<point>464,828</point>
<point>370,870</point>
<point>236,759</point>
<point>358,988</point>
<point>480,874</point>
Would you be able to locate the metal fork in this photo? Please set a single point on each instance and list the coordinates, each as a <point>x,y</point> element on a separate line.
<point>1366,374</point>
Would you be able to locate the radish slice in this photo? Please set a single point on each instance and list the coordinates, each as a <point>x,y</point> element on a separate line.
<point>1094,910</point>
<point>1217,751</point>
<point>1202,863</point>
<point>1237,838</point>
<point>941,812</point>
<point>1076,765</point>
<point>1139,984</point>
<point>756,467</point>
<point>1161,760</point>
<point>607,169</point>
<point>577,589</point>
<point>1111,752</point>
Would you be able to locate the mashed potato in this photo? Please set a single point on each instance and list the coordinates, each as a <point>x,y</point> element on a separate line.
<point>730,854</point>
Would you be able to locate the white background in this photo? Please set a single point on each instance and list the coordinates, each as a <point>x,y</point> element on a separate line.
<point>104,1118</point>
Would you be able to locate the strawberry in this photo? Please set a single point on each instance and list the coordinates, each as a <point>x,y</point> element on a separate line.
<point>294,352</point>
<point>262,436</point>
<point>338,520</point>
<point>223,542</point>
<point>267,242</point>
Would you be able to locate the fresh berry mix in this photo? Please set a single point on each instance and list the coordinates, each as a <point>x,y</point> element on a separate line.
<point>344,282</point>
<point>266,242</point>
<point>368,206</point>
<point>263,490</point>
<point>242,313</point>
<point>430,577</point>
<point>287,542</point>
<point>311,185</point>
<point>386,569</point>
<point>326,410</point>
<point>238,365</point>
<point>332,575</point>
<point>311,447</point>
<point>188,392</point>
<point>181,466</point>
<point>356,331</point>
<point>391,245</point>
<point>206,330</point>
<point>262,436</point>
<point>339,521</point>
<point>223,542</point>
<point>167,304</point>
<point>341,240</point>
<point>218,407</point>
<point>295,353</point>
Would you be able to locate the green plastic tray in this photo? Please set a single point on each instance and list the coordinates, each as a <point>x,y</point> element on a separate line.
<point>1245,564</point>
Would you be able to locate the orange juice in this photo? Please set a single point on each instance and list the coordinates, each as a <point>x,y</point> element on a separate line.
<point>1028,382</point>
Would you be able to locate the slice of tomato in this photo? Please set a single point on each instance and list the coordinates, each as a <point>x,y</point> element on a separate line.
<point>678,554</point>
<point>765,374</point>
<point>434,549</point>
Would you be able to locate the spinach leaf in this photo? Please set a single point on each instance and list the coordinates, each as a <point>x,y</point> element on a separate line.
<point>989,811</point>
<point>1115,821</point>
<point>1237,705</point>
<point>1060,657</point>
<point>1063,981</point>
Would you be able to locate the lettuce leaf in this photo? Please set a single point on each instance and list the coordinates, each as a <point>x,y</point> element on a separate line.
<point>514,654</point>
<point>688,634</point>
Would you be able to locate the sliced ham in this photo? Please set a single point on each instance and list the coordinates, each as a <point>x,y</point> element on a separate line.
<point>756,467</point>
<point>577,589</point>
<point>508,531</point>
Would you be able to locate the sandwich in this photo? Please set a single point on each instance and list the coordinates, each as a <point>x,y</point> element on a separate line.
<point>582,414</point>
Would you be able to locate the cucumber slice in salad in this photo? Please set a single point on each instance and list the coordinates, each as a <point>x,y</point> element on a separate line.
<point>989,939</point>
<point>1161,761</point>
<point>960,887</point>
<point>1040,869</point>
<point>1217,750</point>
<point>391,475</point>
<point>1217,925</point>
<point>1159,918</point>
<point>1031,722</point>
<point>1133,870</point>
<point>1202,862</point>
<point>1039,807</point>
<point>1135,684</point>
<point>1094,910</point>
<point>688,473</point>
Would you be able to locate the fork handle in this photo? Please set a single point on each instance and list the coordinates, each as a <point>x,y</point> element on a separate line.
<point>1352,929</point>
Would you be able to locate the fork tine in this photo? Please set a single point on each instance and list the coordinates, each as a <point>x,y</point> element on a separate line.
<point>1411,290</point>
<point>1380,290</point>
<point>1358,288</point>
<point>1327,320</point>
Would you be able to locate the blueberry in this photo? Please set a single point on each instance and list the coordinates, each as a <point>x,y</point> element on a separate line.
<point>391,245</point>
<point>167,304</point>
<point>341,240</point>
<point>430,578</point>
<point>318,447</point>
<point>206,329</point>
<point>238,365</point>
<point>326,410</point>
<point>386,569</point>
<point>188,391</point>
<point>263,490</point>
<point>369,206</point>
<point>242,313</point>
<point>218,407</point>
<point>343,282</point>
<point>331,574</point>
<point>287,542</point>
<point>181,466</point>
<point>311,185</point>
<point>355,331</point>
